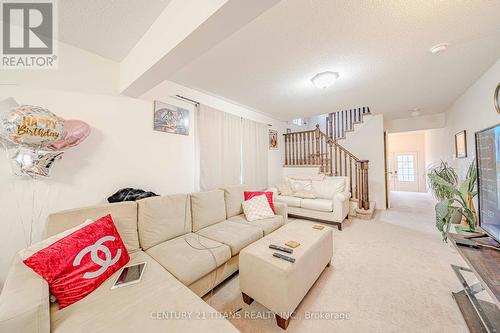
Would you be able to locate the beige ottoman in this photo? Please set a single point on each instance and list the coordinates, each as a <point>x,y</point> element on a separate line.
<point>280,285</point>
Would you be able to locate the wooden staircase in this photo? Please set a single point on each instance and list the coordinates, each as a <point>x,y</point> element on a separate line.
<point>318,149</point>
<point>341,122</point>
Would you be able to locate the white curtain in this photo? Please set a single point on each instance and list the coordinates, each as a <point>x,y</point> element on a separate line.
<point>219,137</point>
<point>254,154</point>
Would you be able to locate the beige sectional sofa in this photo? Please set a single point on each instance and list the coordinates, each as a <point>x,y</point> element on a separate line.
<point>331,200</point>
<point>191,243</point>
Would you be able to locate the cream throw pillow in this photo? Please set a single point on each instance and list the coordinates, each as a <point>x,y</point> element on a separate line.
<point>284,189</point>
<point>300,185</point>
<point>327,188</point>
<point>257,208</point>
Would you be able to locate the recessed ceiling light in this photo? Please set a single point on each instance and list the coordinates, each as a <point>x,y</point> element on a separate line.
<point>325,79</point>
<point>439,48</point>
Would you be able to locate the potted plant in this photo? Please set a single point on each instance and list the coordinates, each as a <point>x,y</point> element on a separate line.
<point>455,201</point>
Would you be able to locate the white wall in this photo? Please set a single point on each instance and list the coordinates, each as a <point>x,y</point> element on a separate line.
<point>423,122</point>
<point>436,147</point>
<point>78,70</point>
<point>367,143</point>
<point>473,111</point>
<point>276,158</point>
<point>122,151</point>
<point>317,120</point>
<point>309,123</point>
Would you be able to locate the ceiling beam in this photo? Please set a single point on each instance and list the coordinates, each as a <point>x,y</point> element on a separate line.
<point>184,31</point>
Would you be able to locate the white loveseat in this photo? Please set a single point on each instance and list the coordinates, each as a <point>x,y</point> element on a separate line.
<point>157,230</point>
<point>329,202</point>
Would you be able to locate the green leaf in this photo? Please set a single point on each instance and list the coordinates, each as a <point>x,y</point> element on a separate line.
<point>464,188</point>
<point>445,172</point>
<point>442,214</point>
<point>445,184</point>
<point>443,180</point>
<point>472,176</point>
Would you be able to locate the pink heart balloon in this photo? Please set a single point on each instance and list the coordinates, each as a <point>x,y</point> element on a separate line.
<point>75,131</point>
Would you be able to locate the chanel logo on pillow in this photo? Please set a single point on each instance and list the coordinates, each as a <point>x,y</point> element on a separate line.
<point>78,263</point>
<point>94,250</point>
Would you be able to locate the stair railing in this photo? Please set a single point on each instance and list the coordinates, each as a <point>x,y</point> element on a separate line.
<point>340,122</point>
<point>316,148</point>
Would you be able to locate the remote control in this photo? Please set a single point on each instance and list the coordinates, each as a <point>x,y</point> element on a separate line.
<point>282,256</point>
<point>280,248</point>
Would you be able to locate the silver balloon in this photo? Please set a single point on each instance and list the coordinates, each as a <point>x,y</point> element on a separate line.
<point>30,125</point>
<point>33,162</point>
<point>7,104</point>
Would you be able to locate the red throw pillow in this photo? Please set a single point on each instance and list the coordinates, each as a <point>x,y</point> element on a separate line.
<point>269,196</point>
<point>79,263</point>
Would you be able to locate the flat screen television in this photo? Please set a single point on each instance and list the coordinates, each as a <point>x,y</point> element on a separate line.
<point>488,173</point>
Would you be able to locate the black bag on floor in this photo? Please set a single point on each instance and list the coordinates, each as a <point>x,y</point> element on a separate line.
<point>130,194</point>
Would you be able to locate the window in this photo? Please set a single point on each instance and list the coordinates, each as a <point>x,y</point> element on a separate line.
<point>298,122</point>
<point>406,168</point>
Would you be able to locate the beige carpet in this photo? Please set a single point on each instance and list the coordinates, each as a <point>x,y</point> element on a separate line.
<point>390,274</point>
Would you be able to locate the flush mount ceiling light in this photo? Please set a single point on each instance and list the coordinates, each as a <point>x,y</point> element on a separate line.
<point>415,112</point>
<point>324,79</point>
<point>439,48</point>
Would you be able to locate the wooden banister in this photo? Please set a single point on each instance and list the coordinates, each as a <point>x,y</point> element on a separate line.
<point>364,200</point>
<point>316,148</point>
<point>340,122</point>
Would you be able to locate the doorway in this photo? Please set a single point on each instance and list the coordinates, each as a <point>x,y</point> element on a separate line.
<point>405,163</point>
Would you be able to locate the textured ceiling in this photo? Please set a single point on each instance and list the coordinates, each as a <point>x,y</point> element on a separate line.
<point>109,28</point>
<point>380,49</point>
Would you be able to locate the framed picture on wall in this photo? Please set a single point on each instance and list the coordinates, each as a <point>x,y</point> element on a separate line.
<point>273,139</point>
<point>461,144</point>
<point>289,130</point>
<point>170,119</point>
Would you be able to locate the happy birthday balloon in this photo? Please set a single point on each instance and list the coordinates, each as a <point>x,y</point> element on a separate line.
<point>75,131</point>
<point>30,125</point>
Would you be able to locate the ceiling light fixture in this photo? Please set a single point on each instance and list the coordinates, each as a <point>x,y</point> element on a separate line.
<point>325,79</point>
<point>439,48</point>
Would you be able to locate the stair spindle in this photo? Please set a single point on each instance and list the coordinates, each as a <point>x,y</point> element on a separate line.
<point>351,121</point>
<point>286,150</point>
<point>304,148</point>
<point>296,145</point>
<point>345,122</point>
<point>357,181</point>
<point>350,173</point>
<point>301,157</point>
<point>345,164</point>
<point>327,129</point>
<point>331,160</point>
